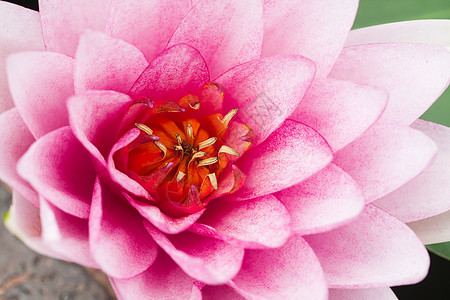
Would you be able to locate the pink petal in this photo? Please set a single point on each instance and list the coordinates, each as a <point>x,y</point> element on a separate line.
<point>322,202</point>
<point>163,280</point>
<point>428,194</point>
<point>290,155</point>
<point>314,29</point>
<point>383,293</point>
<point>119,242</point>
<point>146,24</point>
<point>60,169</point>
<point>16,138</point>
<point>95,118</point>
<point>219,292</point>
<point>106,63</point>
<point>433,230</point>
<point>20,31</point>
<point>66,235</point>
<point>417,31</point>
<point>289,272</point>
<point>207,259</point>
<point>258,223</point>
<point>340,110</point>
<point>265,95</point>
<point>386,157</point>
<point>40,83</point>
<point>414,75</point>
<point>178,71</point>
<point>376,249</point>
<point>226,33</point>
<point>63,22</point>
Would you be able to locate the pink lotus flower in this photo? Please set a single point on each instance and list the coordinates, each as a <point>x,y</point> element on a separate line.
<point>225,148</point>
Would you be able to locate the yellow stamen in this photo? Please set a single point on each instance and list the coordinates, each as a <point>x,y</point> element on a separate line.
<point>208,161</point>
<point>180,176</point>
<point>212,177</point>
<point>207,143</point>
<point>190,131</point>
<point>228,150</point>
<point>229,116</point>
<point>161,146</point>
<point>144,128</point>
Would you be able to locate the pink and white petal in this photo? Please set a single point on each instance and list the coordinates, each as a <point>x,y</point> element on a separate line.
<point>414,75</point>
<point>60,170</point>
<point>289,272</point>
<point>63,22</point>
<point>384,293</point>
<point>40,83</point>
<point>256,224</point>
<point>314,29</point>
<point>66,235</point>
<point>20,30</point>
<point>340,110</point>
<point>429,193</point>
<point>433,230</point>
<point>360,246</point>
<point>267,91</point>
<point>16,139</point>
<point>146,24</point>
<point>206,259</point>
<point>95,118</point>
<point>386,157</point>
<point>177,71</point>
<point>219,292</point>
<point>162,280</point>
<point>290,155</point>
<point>106,63</point>
<point>226,33</point>
<point>418,31</point>
<point>326,200</point>
<point>119,242</point>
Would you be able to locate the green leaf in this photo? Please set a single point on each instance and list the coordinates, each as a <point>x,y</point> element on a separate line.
<point>375,12</point>
<point>442,249</point>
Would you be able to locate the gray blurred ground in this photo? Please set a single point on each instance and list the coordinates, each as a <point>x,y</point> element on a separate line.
<point>25,275</point>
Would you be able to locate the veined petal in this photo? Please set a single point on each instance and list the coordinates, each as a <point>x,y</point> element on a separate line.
<point>40,83</point>
<point>63,22</point>
<point>361,245</point>
<point>20,30</point>
<point>226,33</point>
<point>433,230</point>
<point>414,75</point>
<point>428,194</point>
<point>314,29</point>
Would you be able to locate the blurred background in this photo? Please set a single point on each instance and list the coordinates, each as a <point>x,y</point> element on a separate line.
<point>26,275</point>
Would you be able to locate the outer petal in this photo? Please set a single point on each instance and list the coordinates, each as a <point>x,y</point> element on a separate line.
<point>60,169</point>
<point>63,22</point>
<point>417,31</point>
<point>433,230</point>
<point>163,280</point>
<point>314,29</point>
<point>361,245</point>
<point>429,193</point>
<point>257,223</point>
<point>266,91</point>
<point>16,138</point>
<point>66,235</point>
<point>385,158</point>
<point>119,242</point>
<point>414,75</point>
<point>340,110</point>
<point>291,154</point>
<point>207,259</point>
<point>40,84</point>
<point>226,33</point>
<point>289,272</point>
<point>20,30</point>
<point>95,118</point>
<point>383,293</point>
<point>178,71</point>
<point>322,202</point>
<point>146,24</point>
<point>105,63</point>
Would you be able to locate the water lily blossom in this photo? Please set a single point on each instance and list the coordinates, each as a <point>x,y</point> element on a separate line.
<point>225,149</point>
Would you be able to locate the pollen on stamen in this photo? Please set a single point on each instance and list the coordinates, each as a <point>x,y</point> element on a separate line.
<point>228,150</point>
<point>161,146</point>
<point>144,128</point>
<point>227,118</point>
<point>207,143</point>
<point>180,176</point>
<point>213,179</point>
<point>208,161</point>
<point>190,131</point>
